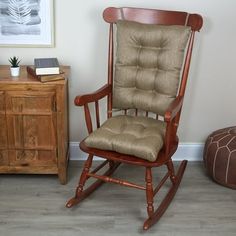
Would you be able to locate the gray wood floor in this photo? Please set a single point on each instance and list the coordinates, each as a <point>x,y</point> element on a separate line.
<point>34,205</point>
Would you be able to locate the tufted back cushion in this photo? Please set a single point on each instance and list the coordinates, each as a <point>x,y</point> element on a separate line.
<point>148,63</point>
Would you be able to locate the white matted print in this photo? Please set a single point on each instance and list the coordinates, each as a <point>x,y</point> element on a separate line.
<point>26,23</point>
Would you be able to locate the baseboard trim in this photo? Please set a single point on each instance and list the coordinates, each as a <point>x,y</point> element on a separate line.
<point>187,151</point>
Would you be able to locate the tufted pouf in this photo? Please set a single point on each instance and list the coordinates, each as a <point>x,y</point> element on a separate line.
<point>220,156</point>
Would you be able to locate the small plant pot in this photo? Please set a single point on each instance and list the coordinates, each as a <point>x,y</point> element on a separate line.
<point>15,71</point>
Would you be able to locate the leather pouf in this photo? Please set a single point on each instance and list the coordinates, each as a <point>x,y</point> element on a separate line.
<point>220,156</point>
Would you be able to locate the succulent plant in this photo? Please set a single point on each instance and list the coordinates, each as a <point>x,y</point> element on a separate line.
<point>14,61</point>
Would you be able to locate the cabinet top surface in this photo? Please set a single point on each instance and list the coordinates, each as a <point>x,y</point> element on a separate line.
<point>24,77</point>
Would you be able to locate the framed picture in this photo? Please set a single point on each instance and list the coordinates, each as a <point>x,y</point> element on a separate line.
<point>26,23</point>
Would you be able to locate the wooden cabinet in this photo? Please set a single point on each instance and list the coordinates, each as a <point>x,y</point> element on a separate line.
<point>33,125</point>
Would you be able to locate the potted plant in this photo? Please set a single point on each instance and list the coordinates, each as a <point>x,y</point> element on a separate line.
<point>15,68</point>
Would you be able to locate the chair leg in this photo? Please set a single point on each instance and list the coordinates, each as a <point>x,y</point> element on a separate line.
<point>82,193</point>
<point>171,171</point>
<point>111,164</point>
<point>83,178</point>
<point>149,191</point>
<point>168,198</point>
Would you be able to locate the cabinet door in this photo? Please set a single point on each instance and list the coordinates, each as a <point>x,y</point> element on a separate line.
<point>31,125</point>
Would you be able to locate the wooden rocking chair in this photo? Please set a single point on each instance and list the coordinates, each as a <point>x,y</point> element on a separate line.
<point>150,60</point>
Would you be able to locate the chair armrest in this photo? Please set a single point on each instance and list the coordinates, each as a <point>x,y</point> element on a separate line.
<point>92,97</point>
<point>173,109</point>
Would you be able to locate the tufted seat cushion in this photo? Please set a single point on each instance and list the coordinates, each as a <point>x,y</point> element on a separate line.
<point>138,136</point>
<point>148,64</point>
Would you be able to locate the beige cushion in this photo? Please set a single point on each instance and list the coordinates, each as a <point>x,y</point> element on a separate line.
<point>148,63</point>
<point>138,136</point>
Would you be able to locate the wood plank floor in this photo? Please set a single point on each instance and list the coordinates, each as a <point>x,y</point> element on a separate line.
<point>34,205</point>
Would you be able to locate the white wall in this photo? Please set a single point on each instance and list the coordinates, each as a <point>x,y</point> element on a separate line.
<point>81,41</point>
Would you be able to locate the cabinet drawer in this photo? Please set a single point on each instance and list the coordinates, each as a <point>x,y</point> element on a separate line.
<point>32,157</point>
<point>3,157</point>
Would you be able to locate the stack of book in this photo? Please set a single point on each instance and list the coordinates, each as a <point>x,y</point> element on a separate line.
<point>46,69</point>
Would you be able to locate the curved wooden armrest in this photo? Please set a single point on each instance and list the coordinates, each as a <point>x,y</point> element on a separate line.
<point>174,108</point>
<point>92,97</point>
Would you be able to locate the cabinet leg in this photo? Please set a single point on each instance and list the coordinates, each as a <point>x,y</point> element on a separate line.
<point>62,175</point>
<point>62,169</point>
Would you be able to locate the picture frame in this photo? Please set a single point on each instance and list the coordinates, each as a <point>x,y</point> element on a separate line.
<point>27,23</point>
